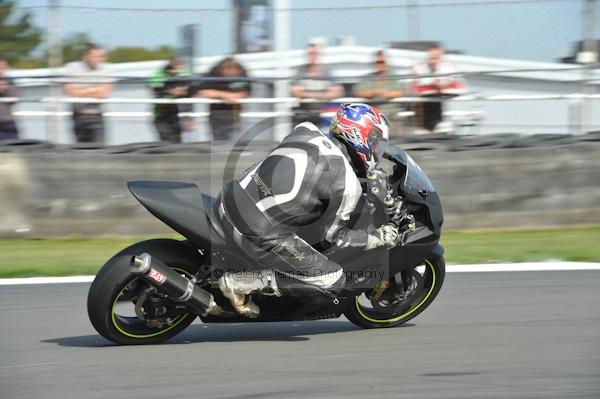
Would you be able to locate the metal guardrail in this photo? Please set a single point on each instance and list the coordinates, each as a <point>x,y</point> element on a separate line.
<point>61,79</point>
<point>289,101</point>
<point>295,101</point>
<point>458,119</point>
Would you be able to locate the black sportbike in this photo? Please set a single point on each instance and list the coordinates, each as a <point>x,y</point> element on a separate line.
<point>152,290</point>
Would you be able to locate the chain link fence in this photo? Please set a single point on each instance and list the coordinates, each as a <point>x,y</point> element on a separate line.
<point>536,30</point>
<point>516,57</point>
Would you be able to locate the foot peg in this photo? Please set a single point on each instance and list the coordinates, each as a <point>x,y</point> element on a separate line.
<point>248,309</point>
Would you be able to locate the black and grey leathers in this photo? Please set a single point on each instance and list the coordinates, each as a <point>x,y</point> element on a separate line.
<point>308,184</point>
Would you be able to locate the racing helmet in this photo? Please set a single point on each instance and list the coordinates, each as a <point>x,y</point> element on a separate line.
<point>360,127</point>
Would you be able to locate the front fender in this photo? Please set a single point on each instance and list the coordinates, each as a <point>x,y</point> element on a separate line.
<point>438,250</point>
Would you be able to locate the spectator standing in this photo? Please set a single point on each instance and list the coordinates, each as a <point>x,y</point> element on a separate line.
<point>224,117</point>
<point>380,88</point>
<point>428,85</point>
<point>313,81</point>
<point>8,128</point>
<point>164,83</point>
<point>91,80</point>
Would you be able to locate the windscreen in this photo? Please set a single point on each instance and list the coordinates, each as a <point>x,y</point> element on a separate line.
<point>415,177</point>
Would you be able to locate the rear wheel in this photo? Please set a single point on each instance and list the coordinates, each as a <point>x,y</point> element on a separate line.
<point>126,310</point>
<point>411,292</point>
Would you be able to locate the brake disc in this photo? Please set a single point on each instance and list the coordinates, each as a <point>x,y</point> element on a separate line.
<point>398,293</point>
<point>146,299</point>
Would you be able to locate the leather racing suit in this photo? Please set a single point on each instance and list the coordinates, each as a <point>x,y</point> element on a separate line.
<point>306,182</point>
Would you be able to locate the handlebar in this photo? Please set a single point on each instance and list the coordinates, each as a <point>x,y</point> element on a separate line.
<point>394,206</point>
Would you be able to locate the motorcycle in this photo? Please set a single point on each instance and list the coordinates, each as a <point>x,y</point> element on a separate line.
<point>154,289</point>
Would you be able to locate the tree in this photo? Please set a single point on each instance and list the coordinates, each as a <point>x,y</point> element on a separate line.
<point>74,44</point>
<point>18,36</point>
<point>131,54</point>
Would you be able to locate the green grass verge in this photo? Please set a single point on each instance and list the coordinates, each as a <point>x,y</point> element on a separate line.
<point>569,244</point>
<point>61,257</point>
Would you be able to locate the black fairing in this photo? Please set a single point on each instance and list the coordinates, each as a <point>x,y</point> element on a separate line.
<point>408,178</point>
<point>182,206</point>
<point>424,202</point>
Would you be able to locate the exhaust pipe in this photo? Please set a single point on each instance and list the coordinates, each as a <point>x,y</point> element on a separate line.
<point>178,287</point>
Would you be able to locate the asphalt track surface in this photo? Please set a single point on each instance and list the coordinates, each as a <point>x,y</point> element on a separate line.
<point>488,335</point>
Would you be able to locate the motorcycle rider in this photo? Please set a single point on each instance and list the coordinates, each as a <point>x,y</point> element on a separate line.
<point>310,179</point>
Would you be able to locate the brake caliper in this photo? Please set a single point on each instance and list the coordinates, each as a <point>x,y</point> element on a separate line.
<point>379,290</point>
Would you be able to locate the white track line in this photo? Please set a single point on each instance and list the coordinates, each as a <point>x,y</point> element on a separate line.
<point>46,280</point>
<point>28,365</point>
<point>475,268</point>
<point>523,267</point>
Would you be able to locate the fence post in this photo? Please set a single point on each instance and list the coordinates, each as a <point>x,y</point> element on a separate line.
<point>412,23</point>
<point>590,58</point>
<point>574,116</point>
<point>281,46</point>
<point>54,63</point>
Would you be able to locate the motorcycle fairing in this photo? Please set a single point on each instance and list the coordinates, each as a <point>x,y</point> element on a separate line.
<point>416,187</point>
<point>180,205</point>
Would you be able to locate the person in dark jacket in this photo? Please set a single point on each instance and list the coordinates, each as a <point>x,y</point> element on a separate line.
<point>224,116</point>
<point>164,84</point>
<point>8,128</point>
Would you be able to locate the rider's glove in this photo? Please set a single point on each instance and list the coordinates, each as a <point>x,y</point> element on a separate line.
<point>385,235</point>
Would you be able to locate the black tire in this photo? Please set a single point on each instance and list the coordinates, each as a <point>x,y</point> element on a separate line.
<point>435,271</point>
<point>114,276</point>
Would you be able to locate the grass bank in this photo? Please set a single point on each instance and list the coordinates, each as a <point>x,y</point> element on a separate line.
<point>74,256</point>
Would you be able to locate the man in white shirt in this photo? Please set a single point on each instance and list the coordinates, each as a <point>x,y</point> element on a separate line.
<point>448,84</point>
<point>313,81</point>
<point>89,79</point>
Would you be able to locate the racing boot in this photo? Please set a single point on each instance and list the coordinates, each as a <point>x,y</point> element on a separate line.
<point>237,287</point>
<point>305,288</point>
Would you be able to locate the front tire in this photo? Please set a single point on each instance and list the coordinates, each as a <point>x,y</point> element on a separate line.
<point>112,282</point>
<point>428,286</point>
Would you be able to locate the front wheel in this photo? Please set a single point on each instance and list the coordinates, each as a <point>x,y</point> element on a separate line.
<point>410,292</point>
<point>128,311</point>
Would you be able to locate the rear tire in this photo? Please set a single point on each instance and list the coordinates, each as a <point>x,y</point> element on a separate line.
<point>435,270</point>
<point>114,277</point>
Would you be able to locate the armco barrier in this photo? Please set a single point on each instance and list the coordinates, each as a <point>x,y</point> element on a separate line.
<point>494,182</point>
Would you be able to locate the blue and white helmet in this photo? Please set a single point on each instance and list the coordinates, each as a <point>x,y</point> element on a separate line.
<point>360,127</point>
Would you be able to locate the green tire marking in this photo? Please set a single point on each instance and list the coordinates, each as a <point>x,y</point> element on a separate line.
<point>140,336</point>
<point>398,318</point>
